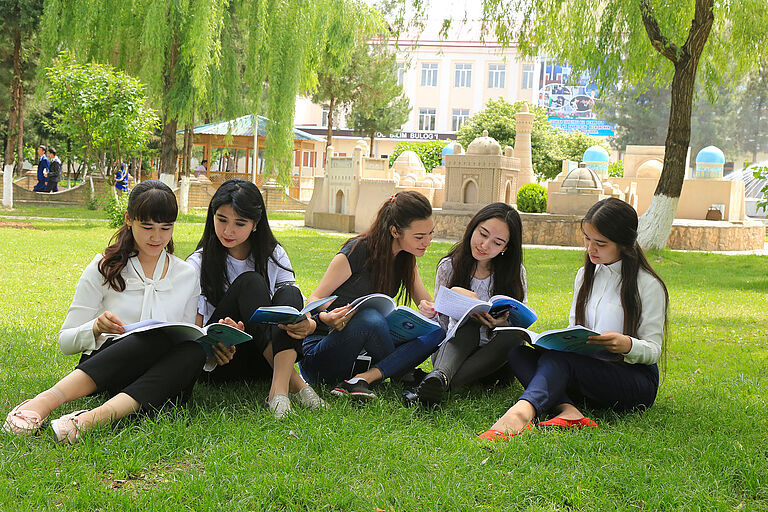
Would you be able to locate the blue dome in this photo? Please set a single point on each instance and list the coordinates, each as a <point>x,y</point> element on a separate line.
<point>595,154</point>
<point>710,155</point>
<point>447,150</point>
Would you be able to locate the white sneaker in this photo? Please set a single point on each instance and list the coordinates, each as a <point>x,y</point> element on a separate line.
<point>279,406</point>
<point>309,398</point>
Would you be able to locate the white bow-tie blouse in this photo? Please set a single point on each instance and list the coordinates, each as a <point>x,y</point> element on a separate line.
<point>172,298</point>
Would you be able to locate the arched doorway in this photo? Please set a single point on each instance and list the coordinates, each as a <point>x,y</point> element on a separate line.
<point>470,194</point>
<point>340,202</point>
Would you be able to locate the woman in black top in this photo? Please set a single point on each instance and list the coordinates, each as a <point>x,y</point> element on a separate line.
<point>381,260</point>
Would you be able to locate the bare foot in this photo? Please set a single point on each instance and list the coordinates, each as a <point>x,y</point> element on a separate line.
<point>516,418</point>
<point>568,412</point>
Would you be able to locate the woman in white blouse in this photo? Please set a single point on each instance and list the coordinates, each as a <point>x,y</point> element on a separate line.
<point>136,279</point>
<point>242,267</point>
<point>617,294</point>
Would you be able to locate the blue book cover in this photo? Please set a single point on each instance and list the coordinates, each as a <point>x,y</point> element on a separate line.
<point>287,314</point>
<point>571,339</point>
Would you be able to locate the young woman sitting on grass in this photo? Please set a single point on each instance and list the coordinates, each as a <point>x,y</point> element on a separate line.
<point>486,262</point>
<point>136,279</point>
<point>242,267</point>
<point>617,294</point>
<point>381,260</point>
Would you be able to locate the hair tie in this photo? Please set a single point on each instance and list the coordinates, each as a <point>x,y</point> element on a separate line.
<point>392,198</point>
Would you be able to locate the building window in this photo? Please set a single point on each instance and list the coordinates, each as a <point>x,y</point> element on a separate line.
<point>463,76</point>
<point>429,75</point>
<point>400,73</point>
<point>497,75</point>
<point>427,119</point>
<point>527,76</point>
<point>459,116</point>
<point>324,118</point>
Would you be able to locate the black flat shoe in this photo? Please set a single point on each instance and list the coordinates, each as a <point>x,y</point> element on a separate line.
<point>432,388</point>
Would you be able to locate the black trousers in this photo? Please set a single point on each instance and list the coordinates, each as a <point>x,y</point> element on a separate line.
<point>147,366</point>
<point>246,294</point>
<point>52,186</point>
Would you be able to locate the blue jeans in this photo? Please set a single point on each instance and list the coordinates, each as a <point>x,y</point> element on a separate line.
<point>551,378</point>
<point>329,359</point>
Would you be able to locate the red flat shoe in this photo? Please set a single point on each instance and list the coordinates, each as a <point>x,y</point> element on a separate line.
<point>566,423</point>
<point>498,435</point>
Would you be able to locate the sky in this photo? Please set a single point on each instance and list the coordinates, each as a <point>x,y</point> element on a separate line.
<point>441,9</point>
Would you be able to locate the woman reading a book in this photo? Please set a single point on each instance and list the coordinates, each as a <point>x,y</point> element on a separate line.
<point>381,260</point>
<point>242,267</point>
<point>617,294</point>
<point>486,262</point>
<point>137,278</point>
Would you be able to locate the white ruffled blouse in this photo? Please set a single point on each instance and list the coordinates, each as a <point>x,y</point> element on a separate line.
<point>172,298</point>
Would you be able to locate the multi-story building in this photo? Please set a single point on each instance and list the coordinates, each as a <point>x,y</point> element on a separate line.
<point>447,79</point>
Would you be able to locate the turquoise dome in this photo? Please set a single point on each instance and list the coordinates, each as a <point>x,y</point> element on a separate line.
<point>710,155</point>
<point>447,150</point>
<point>595,154</point>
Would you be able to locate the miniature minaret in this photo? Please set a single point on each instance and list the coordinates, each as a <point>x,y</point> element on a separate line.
<point>524,127</point>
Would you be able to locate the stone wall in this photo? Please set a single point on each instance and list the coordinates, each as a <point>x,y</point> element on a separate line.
<point>565,230</point>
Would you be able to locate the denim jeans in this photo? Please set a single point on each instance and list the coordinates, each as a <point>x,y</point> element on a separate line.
<point>329,359</point>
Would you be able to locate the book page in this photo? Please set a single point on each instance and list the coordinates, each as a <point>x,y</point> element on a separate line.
<point>455,304</point>
<point>378,301</point>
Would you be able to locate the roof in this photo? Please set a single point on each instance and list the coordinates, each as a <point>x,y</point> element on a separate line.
<point>243,127</point>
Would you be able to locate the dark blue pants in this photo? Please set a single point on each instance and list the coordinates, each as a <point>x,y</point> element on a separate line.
<point>551,378</point>
<point>330,358</point>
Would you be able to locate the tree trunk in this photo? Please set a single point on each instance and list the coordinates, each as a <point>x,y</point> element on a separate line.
<point>15,126</point>
<point>184,185</point>
<point>329,134</point>
<point>656,223</point>
<point>373,137</point>
<point>169,152</point>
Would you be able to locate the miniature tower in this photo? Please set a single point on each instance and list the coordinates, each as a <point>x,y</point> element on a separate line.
<point>523,129</point>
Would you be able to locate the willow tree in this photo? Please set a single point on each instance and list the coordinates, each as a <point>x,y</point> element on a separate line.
<point>634,40</point>
<point>200,55</point>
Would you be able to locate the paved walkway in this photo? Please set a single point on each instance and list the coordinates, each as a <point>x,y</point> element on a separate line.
<point>278,225</point>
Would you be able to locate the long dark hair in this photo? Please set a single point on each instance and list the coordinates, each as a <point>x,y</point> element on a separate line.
<point>394,274</point>
<point>150,200</point>
<point>245,198</point>
<point>505,267</point>
<point>617,221</point>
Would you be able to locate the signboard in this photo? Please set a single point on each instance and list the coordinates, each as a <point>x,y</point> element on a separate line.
<point>570,100</point>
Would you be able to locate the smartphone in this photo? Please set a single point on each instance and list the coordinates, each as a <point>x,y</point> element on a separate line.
<point>361,364</point>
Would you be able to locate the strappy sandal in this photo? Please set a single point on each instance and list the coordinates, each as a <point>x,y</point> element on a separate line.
<point>23,422</point>
<point>67,428</point>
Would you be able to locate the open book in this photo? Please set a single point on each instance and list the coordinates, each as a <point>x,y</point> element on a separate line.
<point>571,339</point>
<point>207,336</point>
<point>287,314</point>
<point>404,323</point>
<point>460,307</point>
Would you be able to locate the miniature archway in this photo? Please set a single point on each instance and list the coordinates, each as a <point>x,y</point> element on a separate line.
<point>470,193</point>
<point>508,193</point>
<point>340,202</point>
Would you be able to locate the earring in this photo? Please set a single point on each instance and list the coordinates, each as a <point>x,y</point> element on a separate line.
<point>502,253</point>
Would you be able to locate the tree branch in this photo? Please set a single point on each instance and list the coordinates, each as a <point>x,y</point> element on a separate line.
<point>701,25</point>
<point>658,40</point>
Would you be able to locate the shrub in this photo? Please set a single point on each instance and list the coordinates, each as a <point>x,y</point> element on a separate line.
<point>761,173</point>
<point>115,208</point>
<point>532,198</point>
<point>429,152</point>
<point>616,169</point>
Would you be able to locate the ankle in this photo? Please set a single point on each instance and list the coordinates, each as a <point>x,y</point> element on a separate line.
<point>46,402</point>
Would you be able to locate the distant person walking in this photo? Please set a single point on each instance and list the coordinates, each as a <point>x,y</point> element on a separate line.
<point>54,171</point>
<point>42,170</point>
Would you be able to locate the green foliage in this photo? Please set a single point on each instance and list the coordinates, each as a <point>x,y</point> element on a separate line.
<point>116,207</point>
<point>381,105</point>
<point>761,173</point>
<point>616,169</point>
<point>532,198</point>
<point>99,108</point>
<point>549,146</point>
<point>429,152</point>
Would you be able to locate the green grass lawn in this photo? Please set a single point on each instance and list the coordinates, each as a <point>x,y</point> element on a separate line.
<point>81,212</point>
<point>702,446</point>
